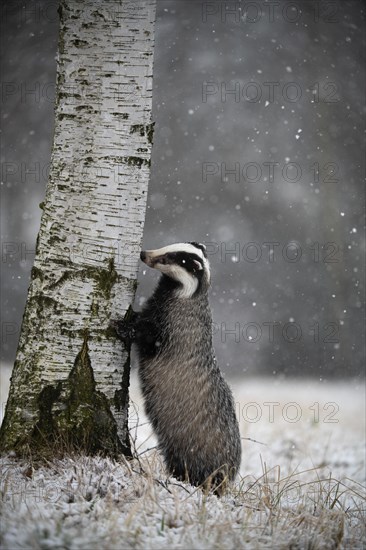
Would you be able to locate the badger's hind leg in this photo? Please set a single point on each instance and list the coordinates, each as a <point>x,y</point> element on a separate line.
<point>215,483</point>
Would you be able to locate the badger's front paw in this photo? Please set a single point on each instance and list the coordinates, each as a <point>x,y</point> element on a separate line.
<point>125,330</point>
<point>126,327</point>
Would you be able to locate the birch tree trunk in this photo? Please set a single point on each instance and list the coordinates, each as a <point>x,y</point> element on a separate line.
<point>69,387</point>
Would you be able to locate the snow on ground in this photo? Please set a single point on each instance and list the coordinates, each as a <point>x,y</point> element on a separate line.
<point>301,484</point>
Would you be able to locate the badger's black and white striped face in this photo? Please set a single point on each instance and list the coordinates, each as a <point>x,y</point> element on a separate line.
<point>186,263</point>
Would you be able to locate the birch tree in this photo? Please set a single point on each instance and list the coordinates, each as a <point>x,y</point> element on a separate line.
<point>69,387</point>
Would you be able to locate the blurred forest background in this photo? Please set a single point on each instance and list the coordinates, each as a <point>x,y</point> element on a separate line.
<point>258,152</point>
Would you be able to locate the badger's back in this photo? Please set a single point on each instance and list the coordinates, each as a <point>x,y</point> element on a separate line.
<point>186,398</point>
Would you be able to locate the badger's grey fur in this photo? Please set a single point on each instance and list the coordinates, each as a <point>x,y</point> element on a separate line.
<point>186,398</point>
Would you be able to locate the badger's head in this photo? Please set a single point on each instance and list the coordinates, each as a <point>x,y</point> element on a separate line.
<point>185,263</point>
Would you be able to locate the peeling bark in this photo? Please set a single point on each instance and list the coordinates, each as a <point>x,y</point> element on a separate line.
<point>70,379</point>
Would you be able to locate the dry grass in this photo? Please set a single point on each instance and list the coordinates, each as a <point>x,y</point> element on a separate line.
<point>84,502</point>
<point>301,487</point>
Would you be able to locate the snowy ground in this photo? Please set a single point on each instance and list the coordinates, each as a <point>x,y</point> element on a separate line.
<point>302,483</point>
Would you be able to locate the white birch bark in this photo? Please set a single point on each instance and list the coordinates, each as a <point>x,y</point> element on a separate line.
<point>91,230</point>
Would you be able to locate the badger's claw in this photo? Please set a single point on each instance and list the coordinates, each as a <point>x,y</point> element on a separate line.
<point>125,328</point>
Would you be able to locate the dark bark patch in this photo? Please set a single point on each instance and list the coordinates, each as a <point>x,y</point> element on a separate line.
<point>75,416</point>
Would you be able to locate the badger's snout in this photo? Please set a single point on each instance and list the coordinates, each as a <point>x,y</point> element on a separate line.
<point>148,257</point>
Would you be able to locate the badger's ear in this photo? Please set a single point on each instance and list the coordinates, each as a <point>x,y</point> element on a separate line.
<point>201,247</point>
<point>197,265</point>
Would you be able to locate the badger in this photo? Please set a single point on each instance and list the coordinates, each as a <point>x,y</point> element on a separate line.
<point>186,398</point>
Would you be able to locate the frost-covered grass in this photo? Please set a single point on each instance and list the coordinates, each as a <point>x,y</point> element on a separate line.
<point>301,483</point>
